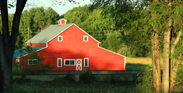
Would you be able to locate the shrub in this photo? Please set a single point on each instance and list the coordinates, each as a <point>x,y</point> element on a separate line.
<point>144,81</point>
<point>86,76</point>
<point>68,78</point>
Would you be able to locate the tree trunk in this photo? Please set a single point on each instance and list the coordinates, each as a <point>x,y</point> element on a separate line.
<point>155,55</point>
<point>166,55</point>
<point>166,48</point>
<point>6,68</point>
<point>156,62</point>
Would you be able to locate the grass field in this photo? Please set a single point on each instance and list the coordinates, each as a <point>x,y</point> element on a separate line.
<point>30,86</point>
<point>145,61</point>
<point>138,63</point>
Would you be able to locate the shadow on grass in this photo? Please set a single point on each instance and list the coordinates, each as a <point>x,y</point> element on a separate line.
<point>35,86</point>
<point>136,66</point>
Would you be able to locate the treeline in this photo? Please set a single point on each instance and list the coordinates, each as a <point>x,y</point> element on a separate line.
<point>111,25</point>
<point>32,22</point>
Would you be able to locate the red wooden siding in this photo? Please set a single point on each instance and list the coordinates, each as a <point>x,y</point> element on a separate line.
<point>73,47</point>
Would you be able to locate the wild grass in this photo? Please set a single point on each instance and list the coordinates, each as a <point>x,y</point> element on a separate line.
<point>32,86</point>
<point>136,66</point>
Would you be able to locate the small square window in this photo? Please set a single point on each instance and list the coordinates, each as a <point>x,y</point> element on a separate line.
<point>32,61</point>
<point>66,62</point>
<point>85,38</point>
<point>60,38</point>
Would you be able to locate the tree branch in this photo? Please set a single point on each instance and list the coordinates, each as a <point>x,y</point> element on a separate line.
<point>4,16</point>
<point>178,37</point>
<point>16,21</point>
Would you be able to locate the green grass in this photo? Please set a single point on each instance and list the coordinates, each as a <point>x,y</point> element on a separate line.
<point>30,86</point>
<point>133,66</point>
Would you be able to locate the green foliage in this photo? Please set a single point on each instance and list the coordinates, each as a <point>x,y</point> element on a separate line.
<point>144,81</point>
<point>179,76</point>
<point>113,41</point>
<point>33,21</point>
<point>86,76</point>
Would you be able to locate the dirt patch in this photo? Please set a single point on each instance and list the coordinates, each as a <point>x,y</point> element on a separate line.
<point>140,60</point>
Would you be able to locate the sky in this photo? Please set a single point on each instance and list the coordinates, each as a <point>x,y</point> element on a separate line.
<point>60,9</point>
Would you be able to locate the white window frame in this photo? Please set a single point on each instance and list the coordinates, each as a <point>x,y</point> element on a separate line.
<point>69,63</point>
<point>84,38</point>
<point>87,62</point>
<point>58,62</point>
<point>17,60</point>
<point>32,64</point>
<point>59,37</point>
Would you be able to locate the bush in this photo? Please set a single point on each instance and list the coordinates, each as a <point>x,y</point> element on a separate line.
<point>68,78</point>
<point>86,76</point>
<point>144,81</point>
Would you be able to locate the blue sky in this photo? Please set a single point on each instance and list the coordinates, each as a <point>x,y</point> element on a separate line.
<point>60,9</point>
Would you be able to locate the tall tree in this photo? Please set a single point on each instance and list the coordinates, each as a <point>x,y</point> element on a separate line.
<point>7,43</point>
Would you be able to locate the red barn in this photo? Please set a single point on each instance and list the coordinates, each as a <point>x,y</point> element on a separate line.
<point>68,48</point>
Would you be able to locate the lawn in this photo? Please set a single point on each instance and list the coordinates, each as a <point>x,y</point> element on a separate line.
<point>30,86</point>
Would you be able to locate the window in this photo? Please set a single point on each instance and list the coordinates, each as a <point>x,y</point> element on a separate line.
<point>17,60</point>
<point>85,38</point>
<point>69,62</point>
<point>32,61</point>
<point>59,62</point>
<point>60,38</point>
<point>86,62</point>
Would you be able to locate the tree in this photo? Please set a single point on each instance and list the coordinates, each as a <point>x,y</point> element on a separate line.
<point>7,42</point>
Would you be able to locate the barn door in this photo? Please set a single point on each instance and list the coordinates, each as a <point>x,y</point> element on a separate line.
<point>78,64</point>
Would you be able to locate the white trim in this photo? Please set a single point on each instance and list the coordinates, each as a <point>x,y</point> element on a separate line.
<point>58,62</point>
<point>87,62</point>
<point>69,63</point>
<point>112,52</point>
<point>61,38</point>
<point>59,33</point>
<point>86,33</point>
<point>32,63</point>
<point>84,38</point>
<point>124,63</point>
<point>17,60</point>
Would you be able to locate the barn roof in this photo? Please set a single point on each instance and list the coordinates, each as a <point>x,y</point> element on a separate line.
<point>17,52</point>
<point>49,33</point>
